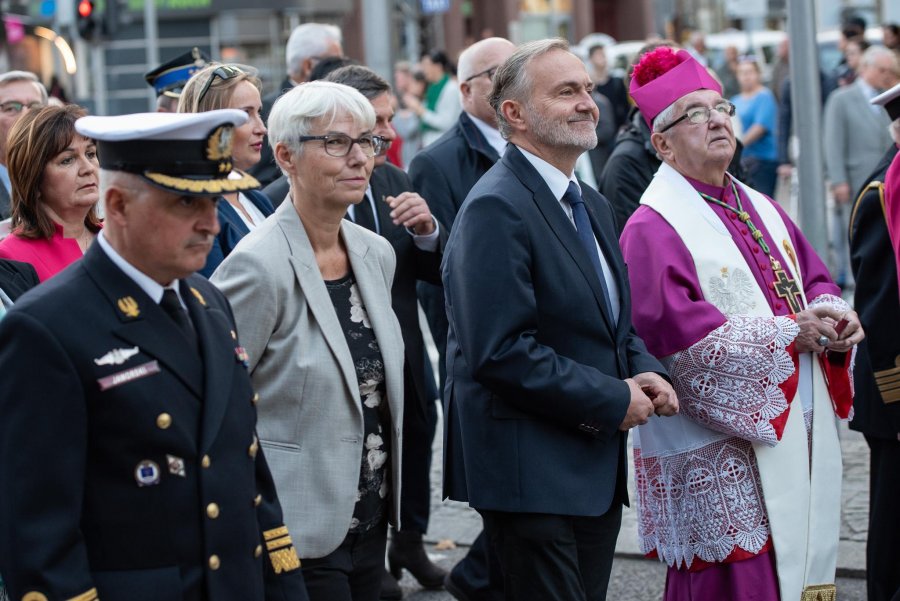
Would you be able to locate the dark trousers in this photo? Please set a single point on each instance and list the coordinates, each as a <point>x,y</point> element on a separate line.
<point>478,575</point>
<point>419,423</point>
<point>352,572</point>
<point>548,557</point>
<point>882,552</point>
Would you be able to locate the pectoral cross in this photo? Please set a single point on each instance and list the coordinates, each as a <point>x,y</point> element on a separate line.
<point>786,288</point>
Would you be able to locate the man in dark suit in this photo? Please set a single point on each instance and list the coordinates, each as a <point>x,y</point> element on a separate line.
<point>307,45</point>
<point>877,375</point>
<point>544,372</point>
<point>444,173</point>
<point>16,278</point>
<point>128,450</point>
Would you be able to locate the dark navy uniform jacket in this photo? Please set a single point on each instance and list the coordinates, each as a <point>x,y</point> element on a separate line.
<point>877,372</point>
<point>129,463</point>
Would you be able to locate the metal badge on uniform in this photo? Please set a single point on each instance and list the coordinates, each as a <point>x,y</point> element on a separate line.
<point>117,356</point>
<point>242,356</point>
<point>176,465</point>
<point>129,375</point>
<point>129,306</point>
<point>199,296</point>
<point>147,473</point>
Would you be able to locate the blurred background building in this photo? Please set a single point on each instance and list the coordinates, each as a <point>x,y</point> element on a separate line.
<point>100,60</point>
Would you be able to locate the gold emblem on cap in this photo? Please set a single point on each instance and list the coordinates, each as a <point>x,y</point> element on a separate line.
<point>218,144</point>
<point>34,596</point>
<point>129,306</point>
<point>198,296</point>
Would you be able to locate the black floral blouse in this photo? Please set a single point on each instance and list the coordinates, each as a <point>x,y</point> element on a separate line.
<point>374,475</point>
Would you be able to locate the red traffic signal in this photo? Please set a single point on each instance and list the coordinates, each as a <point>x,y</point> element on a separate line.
<point>85,9</point>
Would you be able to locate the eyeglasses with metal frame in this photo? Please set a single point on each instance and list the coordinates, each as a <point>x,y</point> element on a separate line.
<point>489,72</point>
<point>13,107</point>
<point>701,114</point>
<point>339,145</point>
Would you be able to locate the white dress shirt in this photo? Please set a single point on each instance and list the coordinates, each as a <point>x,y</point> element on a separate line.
<point>153,289</point>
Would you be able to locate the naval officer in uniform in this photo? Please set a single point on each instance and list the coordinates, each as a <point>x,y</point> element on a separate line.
<point>128,456</point>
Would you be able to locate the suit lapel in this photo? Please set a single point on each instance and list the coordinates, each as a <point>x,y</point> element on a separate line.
<point>369,278</point>
<point>381,189</point>
<point>303,261</point>
<point>559,223</point>
<point>142,322</point>
<point>217,349</point>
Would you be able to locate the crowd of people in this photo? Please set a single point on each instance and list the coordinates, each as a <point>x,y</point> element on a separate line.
<point>216,386</point>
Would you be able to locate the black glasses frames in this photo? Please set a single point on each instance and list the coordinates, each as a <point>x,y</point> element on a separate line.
<point>489,72</point>
<point>339,145</point>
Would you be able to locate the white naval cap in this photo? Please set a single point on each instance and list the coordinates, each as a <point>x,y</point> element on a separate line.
<point>890,100</point>
<point>186,153</point>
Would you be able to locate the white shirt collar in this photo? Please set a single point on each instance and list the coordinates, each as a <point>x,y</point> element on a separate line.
<point>557,181</point>
<point>490,133</point>
<point>145,282</point>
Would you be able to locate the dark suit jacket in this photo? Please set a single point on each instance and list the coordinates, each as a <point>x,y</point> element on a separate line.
<point>266,170</point>
<point>535,391</point>
<point>5,207</point>
<point>232,229</point>
<point>443,173</point>
<point>83,428</point>
<point>874,270</point>
<point>16,278</point>
<point>412,264</point>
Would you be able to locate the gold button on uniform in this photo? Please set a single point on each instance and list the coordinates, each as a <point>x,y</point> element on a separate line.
<point>212,510</point>
<point>163,421</point>
<point>214,562</point>
<point>258,551</point>
<point>255,398</point>
<point>34,596</point>
<point>257,500</point>
<point>205,462</point>
<point>254,448</point>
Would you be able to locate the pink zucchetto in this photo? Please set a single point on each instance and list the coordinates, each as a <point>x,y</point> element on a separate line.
<point>663,76</point>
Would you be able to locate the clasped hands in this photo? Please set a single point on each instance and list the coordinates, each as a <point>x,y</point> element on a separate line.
<point>650,394</point>
<point>821,321</point>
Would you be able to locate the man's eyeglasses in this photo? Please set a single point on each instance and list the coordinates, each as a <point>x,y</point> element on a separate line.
<point>14,107</point>
<point>489,72</point>
<point>339,145</point>
<point>223,72</point>
<point>701,114</point>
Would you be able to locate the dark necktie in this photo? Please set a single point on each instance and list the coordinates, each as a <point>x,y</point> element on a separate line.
<point>172,306</point>
<point>362,215</point>
<point>586,236</point>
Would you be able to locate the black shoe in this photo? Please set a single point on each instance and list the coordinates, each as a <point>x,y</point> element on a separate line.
<point>454,589</point>
<point>390,588</point>
<point>407,551</point>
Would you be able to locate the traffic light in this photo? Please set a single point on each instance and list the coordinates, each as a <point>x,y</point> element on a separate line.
<point>86,19</point>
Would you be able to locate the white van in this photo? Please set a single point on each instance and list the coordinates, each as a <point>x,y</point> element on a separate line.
<point>762,45</point>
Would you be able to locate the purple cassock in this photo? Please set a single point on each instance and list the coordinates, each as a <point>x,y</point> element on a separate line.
<point>671,314</point>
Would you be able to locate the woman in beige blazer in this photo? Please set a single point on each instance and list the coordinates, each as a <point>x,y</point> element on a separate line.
<point>311,297</point>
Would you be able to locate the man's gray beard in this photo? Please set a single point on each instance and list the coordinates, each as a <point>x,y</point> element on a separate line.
<point>548,134</point>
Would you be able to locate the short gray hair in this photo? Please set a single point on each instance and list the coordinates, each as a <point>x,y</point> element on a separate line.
<point>875,52</point>
<point>13,76</point>
<point>308,104</point>
<point>512,82</point>
<point>664,118</point>
<point>308,40</point>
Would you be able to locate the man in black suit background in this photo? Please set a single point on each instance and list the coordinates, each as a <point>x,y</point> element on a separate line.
<point>545,374</point>
<point>20,91</point>
<point>128,453</point>
<point>16,278</point>
<point>444,173</point>
<point>308,44</point>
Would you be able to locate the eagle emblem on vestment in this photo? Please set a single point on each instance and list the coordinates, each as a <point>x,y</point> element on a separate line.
<point>732,292</point>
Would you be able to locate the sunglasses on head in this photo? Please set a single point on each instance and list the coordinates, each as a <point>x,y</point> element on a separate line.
<point>223,72</point>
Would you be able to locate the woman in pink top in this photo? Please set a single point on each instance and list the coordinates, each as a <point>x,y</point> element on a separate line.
<point>54,175</point>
